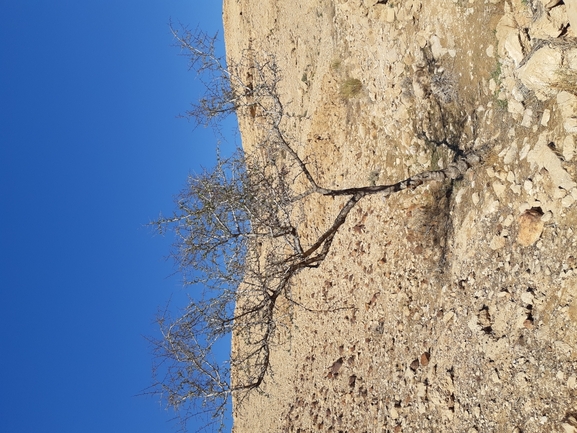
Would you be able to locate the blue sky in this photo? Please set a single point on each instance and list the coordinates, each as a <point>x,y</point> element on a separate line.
<point>91,149</point>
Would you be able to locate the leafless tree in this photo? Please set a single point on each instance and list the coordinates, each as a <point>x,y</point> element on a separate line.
<point>238,240</point>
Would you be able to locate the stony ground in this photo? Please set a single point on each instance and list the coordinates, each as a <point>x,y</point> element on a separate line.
<point>455,305</point>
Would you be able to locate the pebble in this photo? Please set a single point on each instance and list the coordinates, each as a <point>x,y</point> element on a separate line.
<point>546,116</point>
<point>567,201</point>
<point>490,51</point>
<point>527,118</point>
<point>499,188</point>
<point>527,298</point>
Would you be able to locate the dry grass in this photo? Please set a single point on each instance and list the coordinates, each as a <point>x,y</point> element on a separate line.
<point>336,64</point>
<point>566,81</point>
<point>350,87</point>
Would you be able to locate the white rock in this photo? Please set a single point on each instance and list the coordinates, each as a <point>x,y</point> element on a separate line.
<point>473,324</point>
<point>527,298</point>
<point>567,201</point>
<point>550,3</point>
<point>515,107</point>
<point>492,85</point>
<point>571,7</point>
<point>543,157</point>
<point>547,216</point>
<point>510,154</point>
<point>571,58</point>
<point>547,27</point>
<point>546,117</point>
<point>499,188</point>
<point>559,193</point>
<point>524,150</point>
<point>568,147</point>
<point>572,382</point>
<point>508,37</point>
<point>492,206</point>
<point>437,50</point>
<point>570,125</point>
<point>390,15</point>
<point>559,16</point>
<point>490,51</point>
<point>448,316</point>
<point>527,118</point>
<point>517,94</point>
<point>497,242</point>
<point>567,103</point>
<point>540,72</point>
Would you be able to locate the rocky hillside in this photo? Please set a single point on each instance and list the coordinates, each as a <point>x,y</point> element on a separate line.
<point>464,294</point>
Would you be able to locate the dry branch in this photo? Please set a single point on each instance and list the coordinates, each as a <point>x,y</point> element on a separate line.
<point>237,241</point>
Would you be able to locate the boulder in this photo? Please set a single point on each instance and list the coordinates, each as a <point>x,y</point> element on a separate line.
<point>530,227</point>
<point>543,157</point>
<point>540,73</point>
<point>509,39</point>
<point>567,103</point>
<point>549,24</point>
<point>548,4</point>
<point>571,8</point>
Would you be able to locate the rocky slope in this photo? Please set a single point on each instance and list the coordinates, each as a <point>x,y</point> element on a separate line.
<point>465,295</point>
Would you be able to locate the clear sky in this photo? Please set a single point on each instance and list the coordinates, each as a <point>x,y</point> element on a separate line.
<point>91,150</point>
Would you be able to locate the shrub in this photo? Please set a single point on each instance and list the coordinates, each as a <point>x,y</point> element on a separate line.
<point>350,87</point>
<point>566,81</point>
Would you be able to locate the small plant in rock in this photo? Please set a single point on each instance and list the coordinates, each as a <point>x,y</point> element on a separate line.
<point>336,64</point>
<point>566,80</point>
<point>502,104</point>
<point>443,86</point>
<point>350,88</point>
<point>374,176</point>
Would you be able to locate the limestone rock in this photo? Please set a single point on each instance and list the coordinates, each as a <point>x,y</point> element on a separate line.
<point>571,6</point>
<point>548,4</point>
<point>567,103</point>
<point>543,157</point>
<point>540,72</point>
<point>549,24</point>
<point>509,39</point>
<point>571,58</point>
<point>436,47</point>
<point>530,227</point>
<point>568,148</point>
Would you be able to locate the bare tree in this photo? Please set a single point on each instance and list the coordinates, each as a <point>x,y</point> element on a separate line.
<point>238,239</point>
